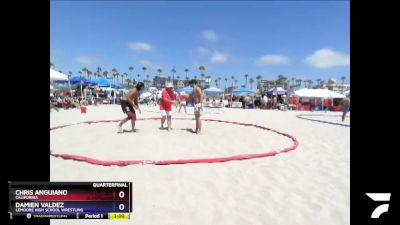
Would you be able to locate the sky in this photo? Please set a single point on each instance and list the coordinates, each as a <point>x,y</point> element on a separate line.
<point>301,39</point>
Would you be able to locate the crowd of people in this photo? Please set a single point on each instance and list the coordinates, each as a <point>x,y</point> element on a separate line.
<point>65,99</point>
<point>130,102</point>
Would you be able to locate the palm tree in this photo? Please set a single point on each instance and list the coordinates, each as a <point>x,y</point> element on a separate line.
<point>144,70</point>
<point>80,73</point>
<point>138,77</point>
<point>207,84</point>
<point>305,83</point>
<point>98,71</point>
<point>293,79</point>
<point>173,74</point>
<point>246,76</point>
<point>84,71</point>
<point>148,76</point>
<point>105,73</point>
<point>322,83</point>
<point>258,78</point>
<point>89,74</point>
<point>310,82</point>
<point>251,80</point>
<point>298,82</point>
<point>202,69</point>
<point>236,82</point>
<point>118,75</point>
<point>60,71</point>
<point>159,70</point>
<point>343,78</point>
<point>51,64</point>
<point>130,71</point>
<point>114,71</point>
<point>202,76</point>
<point>233,78</point>
<point>318,82</point>
<point>126,76</point>
<point>122,78</point>
<point>226,81</point>
<point>187,80</point>
<point>195,77</point>
<point>69,75</point>
<point>128,82</point>
<point>186,71</point>
<point>219,82</point>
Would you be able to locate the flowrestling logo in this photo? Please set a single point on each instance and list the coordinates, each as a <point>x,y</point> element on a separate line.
<point>379,197</point>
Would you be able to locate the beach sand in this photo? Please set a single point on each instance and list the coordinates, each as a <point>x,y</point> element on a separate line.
<point>310,185</point>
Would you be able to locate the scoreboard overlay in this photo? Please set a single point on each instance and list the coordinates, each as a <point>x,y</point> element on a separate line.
<point>70,200</point>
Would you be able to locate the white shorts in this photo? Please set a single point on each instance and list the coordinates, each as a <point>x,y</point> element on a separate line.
<point>183,103</point>
<point>166,113</point>
<point>198,109</point>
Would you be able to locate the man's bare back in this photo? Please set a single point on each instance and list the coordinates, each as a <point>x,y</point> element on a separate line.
<point>132,97</point>
<point>197,95</point>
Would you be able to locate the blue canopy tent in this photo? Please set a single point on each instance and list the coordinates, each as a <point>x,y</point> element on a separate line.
<point>103,82</point>
<point>116,85</point>
<point>80,80</point>
<point>213,90</point>
<point>243,91</point>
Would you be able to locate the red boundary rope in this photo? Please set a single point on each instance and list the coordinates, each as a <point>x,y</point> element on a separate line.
<point>177,161</point>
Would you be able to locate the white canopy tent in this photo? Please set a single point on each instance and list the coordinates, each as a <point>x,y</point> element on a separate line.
<point>55,75</point>
<point>318,93</point>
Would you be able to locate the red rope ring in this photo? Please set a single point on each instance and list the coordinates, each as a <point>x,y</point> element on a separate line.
<point>178,161</point>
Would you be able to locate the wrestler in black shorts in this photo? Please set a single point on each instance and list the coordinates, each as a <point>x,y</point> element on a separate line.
<point>127,107</point>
